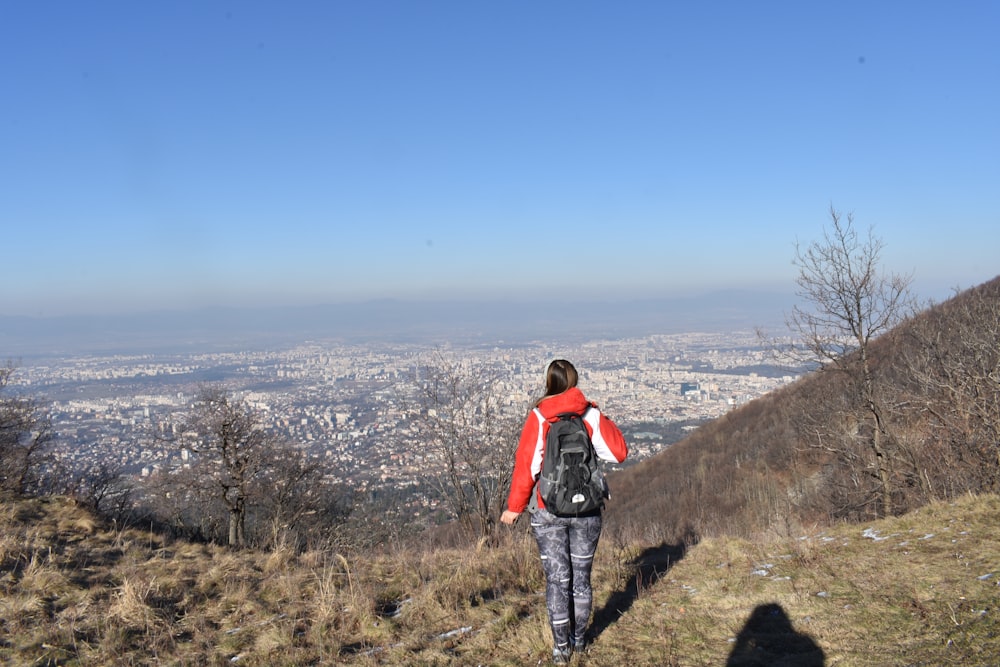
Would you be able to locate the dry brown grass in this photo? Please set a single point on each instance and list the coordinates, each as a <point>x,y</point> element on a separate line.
<point>914,591</point>
<point>920,589</point>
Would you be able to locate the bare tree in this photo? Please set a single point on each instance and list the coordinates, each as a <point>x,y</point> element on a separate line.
<point>956,368</point>
<point>469,425</point>
<point>850,302</point>
<point>103,487</point>
<point>25,438</point>
<point>242,483</point>
<point>230,449</point>
<point>297,503</point>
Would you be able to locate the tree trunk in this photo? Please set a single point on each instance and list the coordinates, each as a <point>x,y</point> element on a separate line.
<point>885,479</point>
<point>236,523</point>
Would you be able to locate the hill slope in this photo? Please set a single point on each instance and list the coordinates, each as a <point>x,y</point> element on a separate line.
<point>918,589</point>
<point>798,455</point>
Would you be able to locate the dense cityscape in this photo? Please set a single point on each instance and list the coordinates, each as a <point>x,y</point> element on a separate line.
<point>349,405</point>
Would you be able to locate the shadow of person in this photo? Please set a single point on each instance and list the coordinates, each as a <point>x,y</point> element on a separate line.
<point>769,640</point>
<point>648,566</point>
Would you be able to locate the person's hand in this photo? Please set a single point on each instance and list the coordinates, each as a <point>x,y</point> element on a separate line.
<point>509,517</point>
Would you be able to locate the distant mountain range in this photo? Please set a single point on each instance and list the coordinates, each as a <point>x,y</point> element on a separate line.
<point>389,320</point>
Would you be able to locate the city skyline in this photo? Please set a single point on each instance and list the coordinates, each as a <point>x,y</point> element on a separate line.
<point>354,407</point>
<point>194,155</point>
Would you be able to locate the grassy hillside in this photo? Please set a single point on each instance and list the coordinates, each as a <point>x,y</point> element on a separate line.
<point>799,455</point>
<point>918,589</point>
<point>921,589</point>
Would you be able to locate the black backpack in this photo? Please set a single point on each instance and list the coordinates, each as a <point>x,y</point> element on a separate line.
<point>571,482</point>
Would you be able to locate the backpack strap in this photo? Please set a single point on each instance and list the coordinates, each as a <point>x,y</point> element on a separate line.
<point>539,447</point>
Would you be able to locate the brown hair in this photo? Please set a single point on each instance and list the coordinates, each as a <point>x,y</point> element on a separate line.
<point>560,376</point>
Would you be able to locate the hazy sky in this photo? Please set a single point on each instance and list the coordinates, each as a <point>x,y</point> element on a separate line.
<point>170,154</point>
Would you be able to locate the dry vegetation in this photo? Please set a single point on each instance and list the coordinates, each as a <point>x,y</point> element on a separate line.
<point>76,591</point>
<point>917,589</point>
<point>914,590</point>
<point>798,456</point>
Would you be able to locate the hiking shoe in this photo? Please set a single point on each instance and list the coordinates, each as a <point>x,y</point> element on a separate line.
<point>560,656</point>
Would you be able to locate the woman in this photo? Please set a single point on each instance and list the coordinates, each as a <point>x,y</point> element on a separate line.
<point>566,544</point>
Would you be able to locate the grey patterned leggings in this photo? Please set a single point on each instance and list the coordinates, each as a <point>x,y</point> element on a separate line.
<point>567,546</point>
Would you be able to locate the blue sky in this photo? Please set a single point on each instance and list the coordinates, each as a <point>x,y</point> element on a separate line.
<point>181,154</point>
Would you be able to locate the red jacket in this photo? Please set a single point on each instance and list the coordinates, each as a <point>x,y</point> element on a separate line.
<point>608,442</point>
